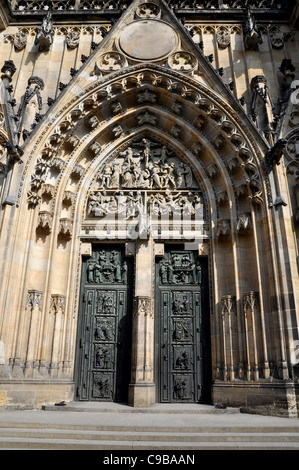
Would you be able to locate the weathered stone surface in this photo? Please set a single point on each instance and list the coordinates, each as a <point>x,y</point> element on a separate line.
<point>148,40</point>
<point>148,135</point>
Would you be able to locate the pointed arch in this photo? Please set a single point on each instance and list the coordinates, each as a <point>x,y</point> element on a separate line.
<point>183,104</point>
<point>88,126</point>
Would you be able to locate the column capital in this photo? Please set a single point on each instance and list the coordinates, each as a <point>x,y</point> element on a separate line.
<point>34,299</point>
<point>142,305</point>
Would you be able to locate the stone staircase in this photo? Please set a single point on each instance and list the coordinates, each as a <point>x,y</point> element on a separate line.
<point>142,431</point>
<point>85,438</point>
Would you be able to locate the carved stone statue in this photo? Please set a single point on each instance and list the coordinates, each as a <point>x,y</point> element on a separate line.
<point>252,36</point>
<point>31,103</point>
<point>44,36</point>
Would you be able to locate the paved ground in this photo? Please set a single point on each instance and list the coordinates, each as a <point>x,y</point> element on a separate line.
<point>159,415</point>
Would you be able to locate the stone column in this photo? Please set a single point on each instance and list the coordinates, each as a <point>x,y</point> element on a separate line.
<point>34,306</point>
<point>142,389</point>
<point>57,308</point>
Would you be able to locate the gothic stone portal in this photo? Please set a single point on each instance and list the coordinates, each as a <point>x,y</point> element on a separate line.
<point>105,326</point>
<point>182,362</point>
<point>182,328</point>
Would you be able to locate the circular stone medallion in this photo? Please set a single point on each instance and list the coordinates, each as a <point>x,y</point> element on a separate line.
<point>147,40</point>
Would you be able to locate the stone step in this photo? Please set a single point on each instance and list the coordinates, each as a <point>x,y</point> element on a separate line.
<point>171,429</point>
<point>100,426</point>
<point>42,436</point>
<point>74,444</point>
<point>182,437</point>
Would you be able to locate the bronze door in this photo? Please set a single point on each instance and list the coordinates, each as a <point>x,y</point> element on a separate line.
<point>182,333</point>
<point>104,334</point>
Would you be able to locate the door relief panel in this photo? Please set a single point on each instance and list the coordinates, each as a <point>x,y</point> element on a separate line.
<point>180,330</point>
<point>105,328</point>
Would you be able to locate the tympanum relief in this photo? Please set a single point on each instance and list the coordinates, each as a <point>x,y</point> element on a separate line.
<point>145,180</point>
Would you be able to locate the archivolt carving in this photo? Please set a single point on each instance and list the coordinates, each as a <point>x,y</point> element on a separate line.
<point>65,228</point>
<point>147,84</point>
<point>292,152</point>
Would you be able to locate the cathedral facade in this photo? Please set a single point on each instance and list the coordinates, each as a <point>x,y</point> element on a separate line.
<point>149,183</point>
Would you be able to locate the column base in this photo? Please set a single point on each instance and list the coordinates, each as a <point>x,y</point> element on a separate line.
<point>142,395</point>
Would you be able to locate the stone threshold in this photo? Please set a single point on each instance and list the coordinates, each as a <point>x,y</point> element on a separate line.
<point>167,408</point>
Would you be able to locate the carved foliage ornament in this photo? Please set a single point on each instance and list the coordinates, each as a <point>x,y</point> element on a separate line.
<point>228,304</point>
<point>223,229</point>
<point>223,38</point>
<point>65,228</point>
<point>45,221</point>
<point>72,39</point>
<point>31,5</point>
<point>184,61</point>
<point>20,40</point>
<point>277,39</point>
<point>148,10</point>
<point>34,299</point>
<point>110,61</point>
<point>57,303</point>
<point>244,223</point>
<point>250,301</point>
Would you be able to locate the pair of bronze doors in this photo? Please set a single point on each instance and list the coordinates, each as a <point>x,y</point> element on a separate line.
<point>103,364</point>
